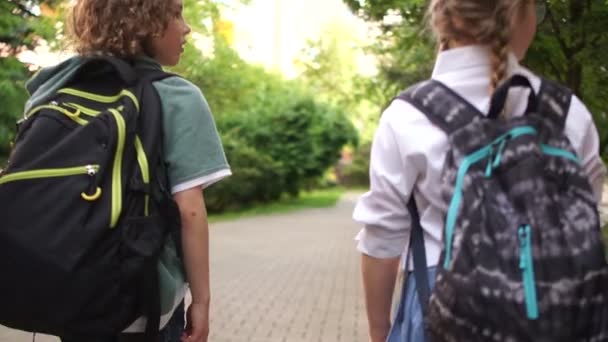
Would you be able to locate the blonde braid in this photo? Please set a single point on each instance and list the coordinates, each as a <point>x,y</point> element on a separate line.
<point>500,44</point>
<point>438,13</point>
<point>485,22</point>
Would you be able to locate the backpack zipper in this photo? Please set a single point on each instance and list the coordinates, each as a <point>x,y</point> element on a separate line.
<point>48,173</point>
<point>55,106</point>
<point>142,160</point>
<point>117,168</point>
<point>94,192</point>
<point>83,109</point>
<point>559,152</point>
<point>86,110</point>
<point>526,264</point>
<point>100,98</point>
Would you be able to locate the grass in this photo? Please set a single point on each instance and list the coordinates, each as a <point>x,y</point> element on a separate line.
<point>325,198</point>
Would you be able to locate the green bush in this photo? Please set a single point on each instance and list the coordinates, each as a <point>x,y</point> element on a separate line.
<point>356,174</point>
<point>256,178</point>
<point>277,147</point>
<point>302,135</point>
<point>12,78</point>
<point>279,138</point>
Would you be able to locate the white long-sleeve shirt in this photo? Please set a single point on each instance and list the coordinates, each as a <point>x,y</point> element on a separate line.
<point>409,152</point>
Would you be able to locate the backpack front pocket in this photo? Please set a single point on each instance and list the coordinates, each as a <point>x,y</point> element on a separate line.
<point>90,193</point>
<point>53,209</point>
<point>48,173</point>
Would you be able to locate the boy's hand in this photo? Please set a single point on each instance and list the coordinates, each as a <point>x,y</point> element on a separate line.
<point>197,326</point>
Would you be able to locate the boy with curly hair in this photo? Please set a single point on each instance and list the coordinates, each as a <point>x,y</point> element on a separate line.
<point>152,33</point>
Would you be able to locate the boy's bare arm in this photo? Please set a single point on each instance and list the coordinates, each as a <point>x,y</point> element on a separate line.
<point>195,242</point>
<point>379,277</point>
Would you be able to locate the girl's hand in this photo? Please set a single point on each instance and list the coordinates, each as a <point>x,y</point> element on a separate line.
<point>378,336</point>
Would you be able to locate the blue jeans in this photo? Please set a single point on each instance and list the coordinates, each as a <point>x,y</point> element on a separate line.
<point>172,332</point>
<point>409,323</point>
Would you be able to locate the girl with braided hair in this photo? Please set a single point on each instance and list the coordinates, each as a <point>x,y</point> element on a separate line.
<point>480,45</point>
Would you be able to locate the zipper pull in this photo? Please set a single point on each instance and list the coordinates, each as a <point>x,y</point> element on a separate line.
<point>522,248</point>
<point>490,161</point>
<point>526,264</point>
<point>91,170</point>
<point>94,192</point>
<point>501,149</point>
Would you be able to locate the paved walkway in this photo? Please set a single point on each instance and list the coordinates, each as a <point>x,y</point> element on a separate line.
<point>283,278</point>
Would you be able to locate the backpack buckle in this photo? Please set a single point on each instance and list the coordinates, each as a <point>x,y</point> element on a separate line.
<point>494,160</point>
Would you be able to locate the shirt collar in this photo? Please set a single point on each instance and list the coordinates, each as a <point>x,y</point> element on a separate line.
<point>472,56</point>
<point>148,62</point>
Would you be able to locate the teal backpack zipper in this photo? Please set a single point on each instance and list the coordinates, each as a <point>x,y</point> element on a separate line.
<point>526,264</point>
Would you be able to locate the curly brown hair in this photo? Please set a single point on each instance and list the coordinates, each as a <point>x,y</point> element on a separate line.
<point>117,27</point>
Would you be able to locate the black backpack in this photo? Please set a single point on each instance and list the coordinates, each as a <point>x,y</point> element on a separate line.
<point>523,257</point>
<point>85,206</point>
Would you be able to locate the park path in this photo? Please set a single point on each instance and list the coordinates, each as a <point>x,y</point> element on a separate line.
<point>284,278</point>
<point>281,278</point>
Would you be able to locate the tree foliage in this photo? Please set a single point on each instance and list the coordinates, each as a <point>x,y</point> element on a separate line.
<point>21,23</point>
<point>403,47</point>
<point>278,137</point>
<point>567,47</point>
<point>336,68</point>
<point>329,66</point>
<point>21,26</point>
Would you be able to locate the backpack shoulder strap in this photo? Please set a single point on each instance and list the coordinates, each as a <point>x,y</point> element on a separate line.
<point>150,129</point>
<point>419,254</point>
<point>441,105</point>
<point>150,126</point>
<point>122,68</point>
<point>554,102</point>
<point>152,137</point>
<point>129,74</point>
<point>153,75</point>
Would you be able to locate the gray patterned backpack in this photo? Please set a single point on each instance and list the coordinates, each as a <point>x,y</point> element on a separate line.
<point>523,257</point>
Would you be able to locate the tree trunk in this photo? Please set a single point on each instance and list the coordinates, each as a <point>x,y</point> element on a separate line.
<point>574,78</point>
